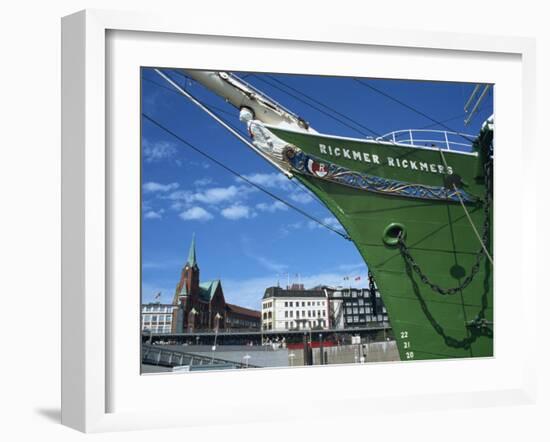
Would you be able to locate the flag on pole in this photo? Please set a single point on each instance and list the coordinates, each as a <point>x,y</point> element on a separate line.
<point>157,296</point>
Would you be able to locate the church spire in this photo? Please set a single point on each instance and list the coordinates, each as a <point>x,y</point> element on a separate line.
<point>192,258</point>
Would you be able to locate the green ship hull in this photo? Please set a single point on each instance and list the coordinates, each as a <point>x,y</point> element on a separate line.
<point>438,234</point>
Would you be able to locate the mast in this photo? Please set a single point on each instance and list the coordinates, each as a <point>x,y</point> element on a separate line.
<point>252,103</point>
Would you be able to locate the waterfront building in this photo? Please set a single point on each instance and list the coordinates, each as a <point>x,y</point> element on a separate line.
<point>355,307</point>
<point>295,308</point>
<point>238,317</point>
<point>202,306</point>
<point>157,318</point>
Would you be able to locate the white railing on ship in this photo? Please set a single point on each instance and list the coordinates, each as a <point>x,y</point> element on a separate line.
<point>441,138</point>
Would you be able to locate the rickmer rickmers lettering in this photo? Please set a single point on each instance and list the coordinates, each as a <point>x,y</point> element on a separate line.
<point>420,216</point>
<point>367,157</point>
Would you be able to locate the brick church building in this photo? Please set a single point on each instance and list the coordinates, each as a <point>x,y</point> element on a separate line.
<point>202,305</point>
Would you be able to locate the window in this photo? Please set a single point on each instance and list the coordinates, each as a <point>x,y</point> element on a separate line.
<point>324,312</point>
<point>286,304</point>
<point>286,314</point>
<point>154,318</point>
<point>361,302</point>
<point>303,304</point>
<point>291,303</point>
<point>291,313</point>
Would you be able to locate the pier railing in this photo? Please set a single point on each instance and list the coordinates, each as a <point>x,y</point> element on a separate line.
<point>155,355</point>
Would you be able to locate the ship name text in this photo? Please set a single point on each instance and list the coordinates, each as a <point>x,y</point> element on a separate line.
<point>366,157</point>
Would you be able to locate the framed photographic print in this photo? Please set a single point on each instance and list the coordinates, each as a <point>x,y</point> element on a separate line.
<point>256,214</point>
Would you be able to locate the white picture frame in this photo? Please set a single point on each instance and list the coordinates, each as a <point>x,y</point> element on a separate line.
<point>88,316</point>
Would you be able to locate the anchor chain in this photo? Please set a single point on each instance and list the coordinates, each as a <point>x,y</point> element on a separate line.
<point>405,251</point>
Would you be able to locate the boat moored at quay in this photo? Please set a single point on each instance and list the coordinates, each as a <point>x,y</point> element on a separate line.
<point>417,204</point>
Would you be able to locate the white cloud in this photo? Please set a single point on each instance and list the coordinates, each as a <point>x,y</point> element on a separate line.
<point>203,182</point>
<point>237,211</point>
<point>157,187</point>
<point>157,151</point>
<point>292,190</point>
<point>151,214</point>
<point>196,213</point>
<point>212,196</point>
<point>181,195</point>
<point>178,206</point>
<point>276,205</point>
<point>216,195</point>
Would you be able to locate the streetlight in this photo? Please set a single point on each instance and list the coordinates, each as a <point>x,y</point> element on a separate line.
<point>191,320</point>
<point>216,328</point>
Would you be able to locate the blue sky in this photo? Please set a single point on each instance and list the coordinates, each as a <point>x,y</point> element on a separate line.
<point>244,237</point>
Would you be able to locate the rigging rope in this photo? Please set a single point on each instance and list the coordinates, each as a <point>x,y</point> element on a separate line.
<point>222,122</point>
<point>320,104</point>
<point>219,109</point>
<point>408,106</point>
<point>296,184</point>
<point>468,213</point>
<point>242,177</point>
<point>456,117</point>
